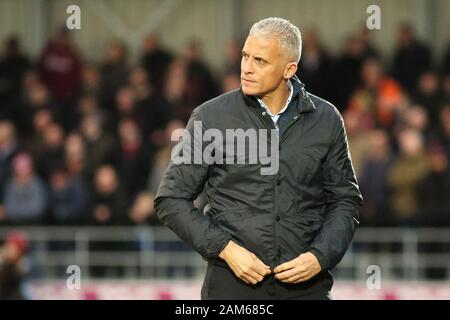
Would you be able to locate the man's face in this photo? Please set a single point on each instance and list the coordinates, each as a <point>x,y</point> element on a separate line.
<point>263,65</point>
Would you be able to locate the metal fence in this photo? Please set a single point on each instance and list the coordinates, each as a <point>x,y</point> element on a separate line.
<point>157,253</point>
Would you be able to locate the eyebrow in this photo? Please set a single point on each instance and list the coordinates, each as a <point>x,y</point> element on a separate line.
<point>256,57</point>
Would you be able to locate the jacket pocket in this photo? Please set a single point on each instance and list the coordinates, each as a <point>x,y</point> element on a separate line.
<point>249,229</point>
<point>233,215</point>
<point>302,226</point>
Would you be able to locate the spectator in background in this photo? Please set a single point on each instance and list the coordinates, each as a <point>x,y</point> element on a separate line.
<point>90,81</point>
<point>446,58</point>
<point>8,149</point>
<point>75,156</point>
<point>60,68</point>
<point>411,58</point>
<point>434,190</point>
<point>138,82</point>
<point>133,159</point>
<point>446,89</point>
<point>12,267</point>
<point>88,106</point>
<point>434,208</point>
<point>428,95</point>
<point>174,90</point>
<point>109,205</point>
<point>100,144</point>
<point>29,80</point>
<point>369,50</point>
<point>142,211</point>
<point>172,135</point>
<point>407,170</point>
<point>202,85</point>
<point>230,81</point>
<point>416,118</point>
<point>378,98</point>
<point>13,64</point>
<point>315,66</point>
<point>50,153</point>
<point>109,209</point>
<point>114,75</point>
<point>37,98</point>
<point>233,57</point>
<point>69,198</point>
<point>152,112</point>
<point>25,194</point>
<point>42,119</point>
<point>127,107</point>
<point>374,180</point>
<point>445,130</point>
<point>357,136</point>
<point>156,61</point>
<point>11,109</point>
<point>347,69</point>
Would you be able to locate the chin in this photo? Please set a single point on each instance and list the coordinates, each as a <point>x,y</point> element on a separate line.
<point>250,91</point>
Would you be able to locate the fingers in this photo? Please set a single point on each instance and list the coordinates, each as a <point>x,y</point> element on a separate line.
<point>249,275</point>
<point>246,265</point>
<point>293,279</point>
<point>301,278</point>
<point>261,268</point>
<point>254,273</point>
<point>254,277</point>
<point>292,271</point>
<point>285,266</point>
<point>294,276</point>
<point>304,278</point>
<point>262,264</point>
<point>288,274</point>
<point>245,280</point>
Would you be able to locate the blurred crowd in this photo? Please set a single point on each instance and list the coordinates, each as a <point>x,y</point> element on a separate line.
<point>84,143</point>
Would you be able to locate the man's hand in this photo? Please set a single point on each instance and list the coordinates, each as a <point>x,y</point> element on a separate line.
<point>244,264</point>
<point>302,268</point>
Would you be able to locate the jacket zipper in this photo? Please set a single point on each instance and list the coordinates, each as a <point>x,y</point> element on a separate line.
<point>297,117</point>
<point>269,124</point>
<point>266,121</point>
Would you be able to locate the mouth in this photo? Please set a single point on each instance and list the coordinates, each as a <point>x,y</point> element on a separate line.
<point>247,81</point>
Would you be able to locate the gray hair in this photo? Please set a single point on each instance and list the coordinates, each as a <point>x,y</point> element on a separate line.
<point>287,33</point>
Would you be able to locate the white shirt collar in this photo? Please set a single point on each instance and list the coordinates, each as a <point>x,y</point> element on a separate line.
<point>291,91</point>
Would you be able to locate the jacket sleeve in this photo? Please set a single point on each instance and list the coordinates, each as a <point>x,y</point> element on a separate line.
<point>180,185</point>
<point>343,201</point>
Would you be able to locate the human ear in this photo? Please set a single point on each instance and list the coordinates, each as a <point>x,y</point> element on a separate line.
<point>290,70</point>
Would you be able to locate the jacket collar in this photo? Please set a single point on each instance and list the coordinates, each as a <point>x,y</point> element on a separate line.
<point>303,102</point>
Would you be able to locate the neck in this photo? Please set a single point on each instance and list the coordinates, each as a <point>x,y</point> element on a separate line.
<point>276,99</point>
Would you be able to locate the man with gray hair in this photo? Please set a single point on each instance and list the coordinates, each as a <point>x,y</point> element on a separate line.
<point>273,236</point>
<point>288,35</point>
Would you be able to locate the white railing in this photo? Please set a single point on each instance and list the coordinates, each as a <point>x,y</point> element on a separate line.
<point>157,253</point>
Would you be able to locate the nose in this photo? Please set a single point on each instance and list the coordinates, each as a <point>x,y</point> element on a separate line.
<point>246,66</point>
